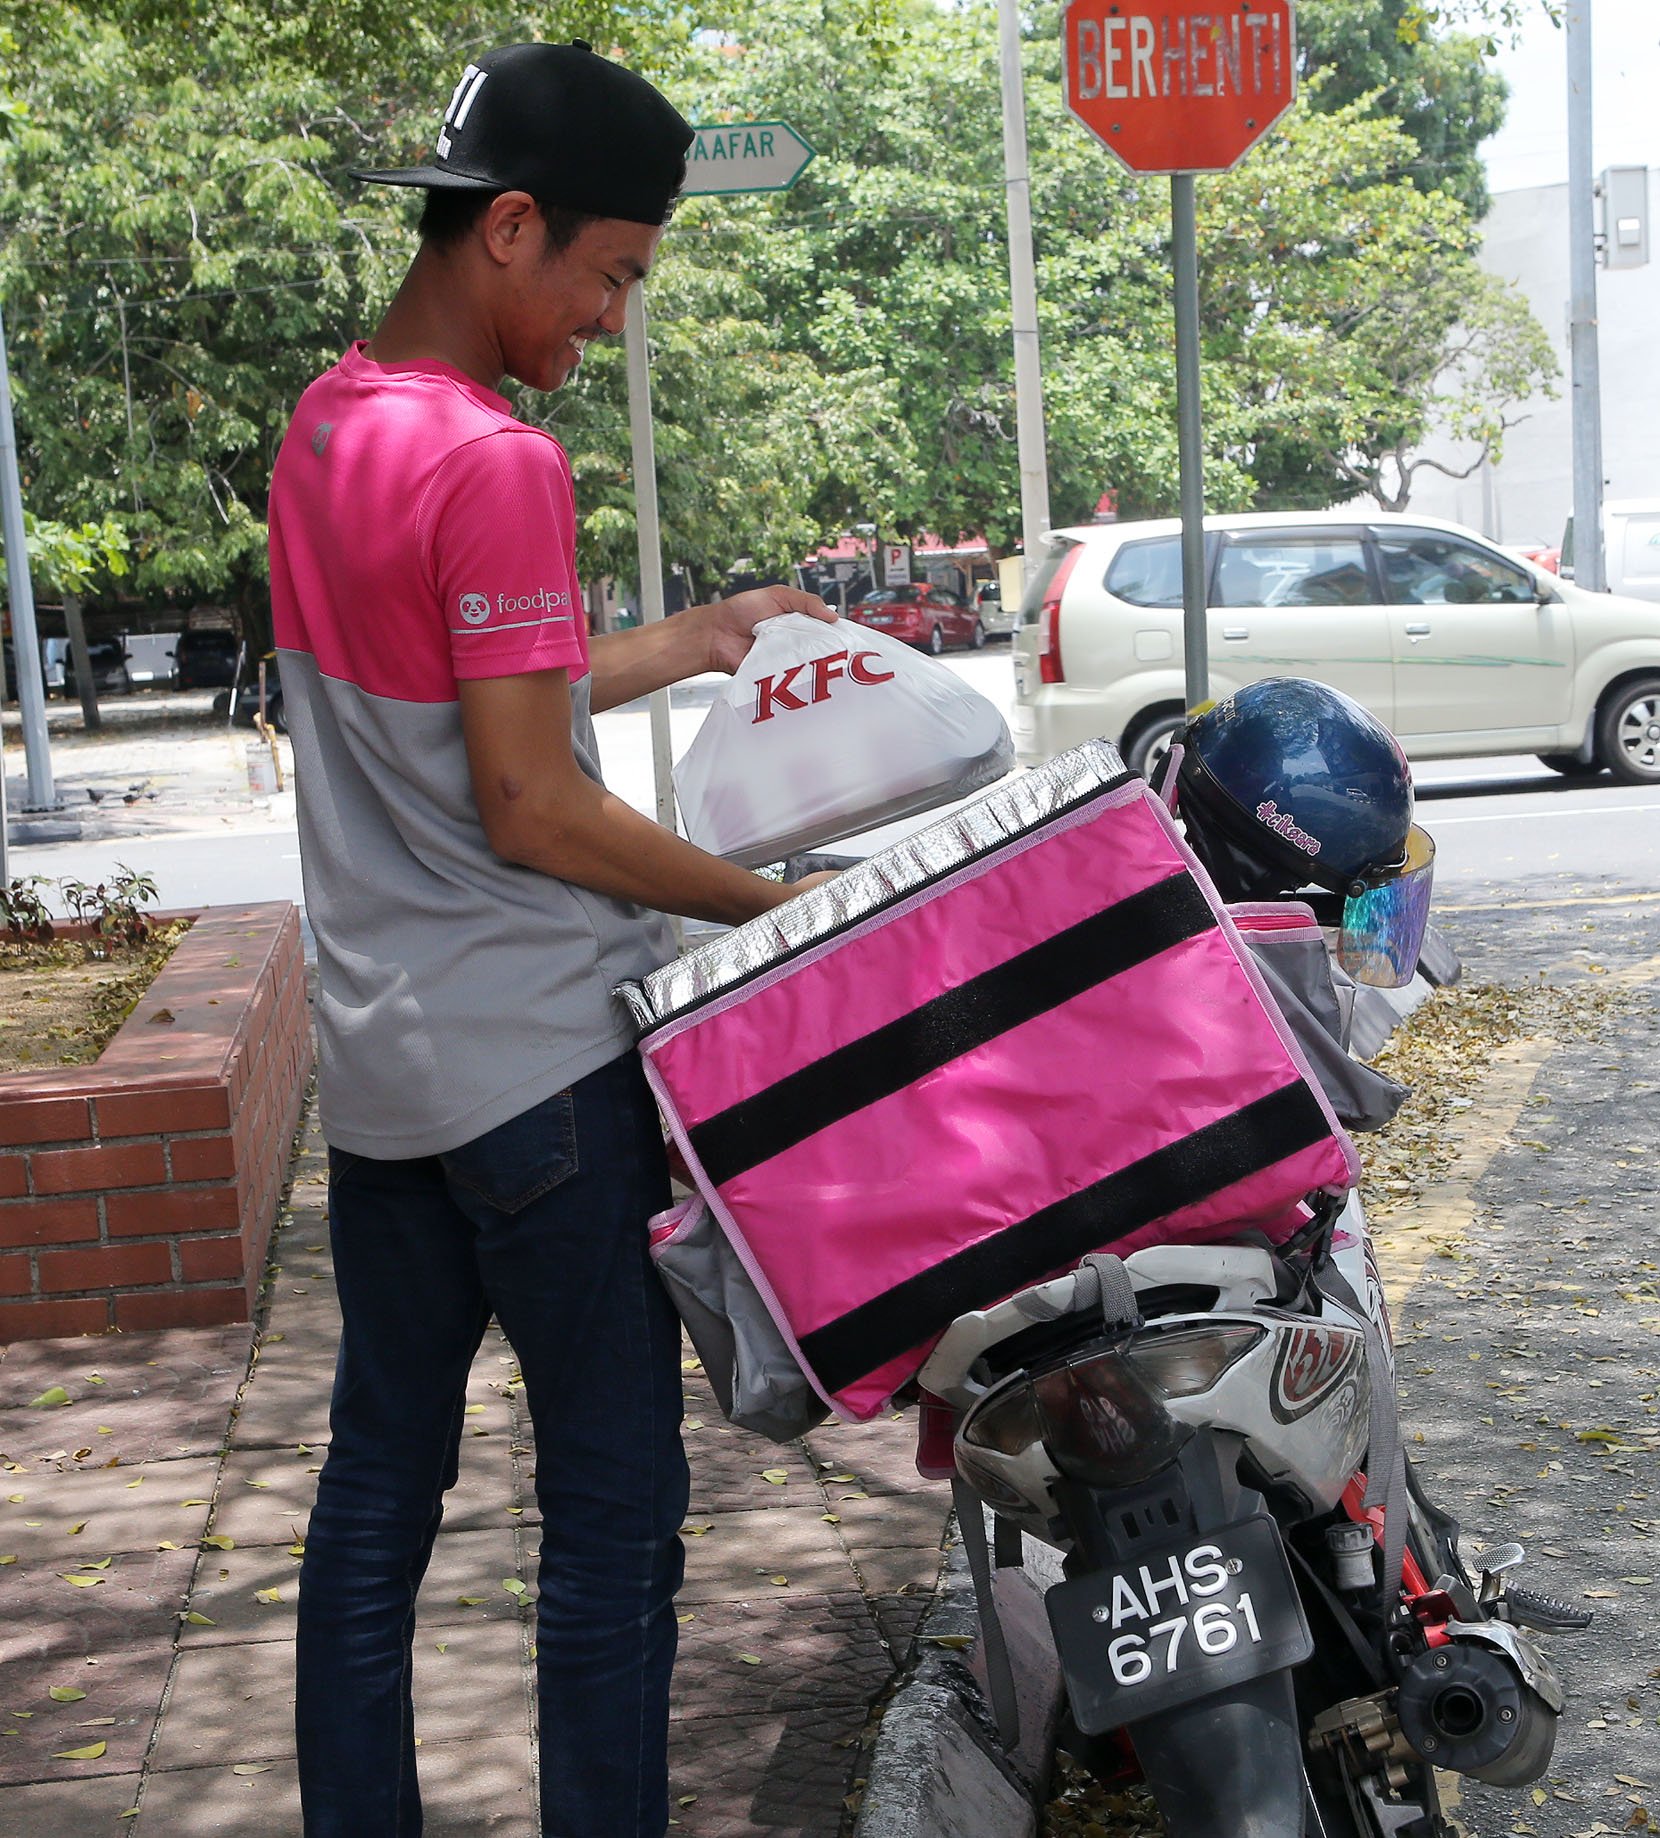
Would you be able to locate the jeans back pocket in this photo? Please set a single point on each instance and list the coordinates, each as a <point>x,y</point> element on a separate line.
<point>519,1160</point>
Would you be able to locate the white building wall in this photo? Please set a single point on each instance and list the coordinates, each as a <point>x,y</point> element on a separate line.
<point>1528,495</point>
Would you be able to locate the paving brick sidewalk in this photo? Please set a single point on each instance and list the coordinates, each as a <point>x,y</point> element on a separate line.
<point>149,1557</point>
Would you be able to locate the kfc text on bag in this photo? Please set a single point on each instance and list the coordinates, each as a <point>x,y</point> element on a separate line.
<point>826,730</point>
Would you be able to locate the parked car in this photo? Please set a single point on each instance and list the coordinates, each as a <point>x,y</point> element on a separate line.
<point>108,658</point>
<point>150,658</point>
<point>205,659</point>
<point>1460,648</point>
<point>998,618</point>
<point>921,614</point>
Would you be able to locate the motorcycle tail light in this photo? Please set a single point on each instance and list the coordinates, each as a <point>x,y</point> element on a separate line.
<point>1182,1362</point>
<point>1103,1424</point>
<point>1006,1425</point>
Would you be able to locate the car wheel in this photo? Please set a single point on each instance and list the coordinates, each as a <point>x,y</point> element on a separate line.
<point>1628,732</point>
<point>274,716</point>
<point>1570,765</point>
<point>979,638</point>
<point>936,641</point>
<point>1150,742</point>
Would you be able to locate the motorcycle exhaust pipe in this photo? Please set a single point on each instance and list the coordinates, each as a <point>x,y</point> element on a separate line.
<point>1465,1707</point>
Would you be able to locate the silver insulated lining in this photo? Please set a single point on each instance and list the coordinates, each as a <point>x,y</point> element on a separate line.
<point>1008,810</point>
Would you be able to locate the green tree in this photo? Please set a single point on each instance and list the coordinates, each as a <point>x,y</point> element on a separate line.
<point>1437,82</point>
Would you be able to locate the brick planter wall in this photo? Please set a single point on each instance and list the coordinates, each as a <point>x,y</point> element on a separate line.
<point>140,1191</point>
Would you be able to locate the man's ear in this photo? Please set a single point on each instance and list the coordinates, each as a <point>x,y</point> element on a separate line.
<point>509,226</point>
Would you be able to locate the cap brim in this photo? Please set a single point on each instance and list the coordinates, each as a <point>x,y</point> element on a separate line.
<point>431,178</point>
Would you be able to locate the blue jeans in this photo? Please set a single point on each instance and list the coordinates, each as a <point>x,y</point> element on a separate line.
<point>541,1222</point>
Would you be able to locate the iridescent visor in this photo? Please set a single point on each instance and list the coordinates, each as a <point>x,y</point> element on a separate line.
<point>1383,928</point>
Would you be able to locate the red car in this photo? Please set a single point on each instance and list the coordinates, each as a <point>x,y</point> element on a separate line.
<point>921,614</point>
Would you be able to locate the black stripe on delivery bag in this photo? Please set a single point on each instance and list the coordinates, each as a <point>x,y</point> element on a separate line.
<point>1029,984</point>
<point>1180,1174</point>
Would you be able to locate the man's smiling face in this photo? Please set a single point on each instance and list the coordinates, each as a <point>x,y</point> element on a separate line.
<point>560,299</point>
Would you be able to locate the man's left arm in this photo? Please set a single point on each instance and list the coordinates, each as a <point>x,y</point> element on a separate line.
<point>625,665</point>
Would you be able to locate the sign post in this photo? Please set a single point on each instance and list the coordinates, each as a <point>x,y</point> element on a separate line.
<point>1168,88</point>
<point>734,156</point>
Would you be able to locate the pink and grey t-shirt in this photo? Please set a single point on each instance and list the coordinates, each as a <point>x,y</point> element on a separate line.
<point>420,535</point>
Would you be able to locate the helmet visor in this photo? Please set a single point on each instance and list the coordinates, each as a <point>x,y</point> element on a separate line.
<point>1383,926</point>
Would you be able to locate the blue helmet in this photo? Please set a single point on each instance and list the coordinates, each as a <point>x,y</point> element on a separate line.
<point>1302,781</point>
<point>1289,783</point>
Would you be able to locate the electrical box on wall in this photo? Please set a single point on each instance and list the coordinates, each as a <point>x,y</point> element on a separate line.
<point>1625,229</point>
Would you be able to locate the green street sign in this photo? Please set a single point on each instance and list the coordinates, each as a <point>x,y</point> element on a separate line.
<point>737,156</point>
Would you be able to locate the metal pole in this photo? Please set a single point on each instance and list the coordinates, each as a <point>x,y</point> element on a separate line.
<point>1590,570</point>
<point>649,534</point>
<point>1195,638</point>
<point>31,682</point>
<point>1028,374</point>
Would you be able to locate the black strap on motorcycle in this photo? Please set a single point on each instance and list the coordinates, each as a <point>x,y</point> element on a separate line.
<point>1115,1297</point>
<point>1115,1291</point>
<point>1385,1453</point>
<point>971,1522</point>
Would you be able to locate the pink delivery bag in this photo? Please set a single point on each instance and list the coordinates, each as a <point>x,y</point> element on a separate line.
<point>1027,1033</point>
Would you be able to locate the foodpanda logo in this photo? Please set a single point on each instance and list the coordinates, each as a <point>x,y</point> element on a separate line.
<point>475,608</point>
<point>779,694</point>
<point>544,600</point>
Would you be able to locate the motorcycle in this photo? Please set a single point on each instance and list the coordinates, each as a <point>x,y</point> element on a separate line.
<point>1261,1610</point>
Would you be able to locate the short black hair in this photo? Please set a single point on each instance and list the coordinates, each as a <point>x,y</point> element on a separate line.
<point>449,213</point>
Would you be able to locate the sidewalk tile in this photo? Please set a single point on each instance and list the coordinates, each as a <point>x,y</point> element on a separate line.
<point>734,1558</point>
<point>478,1789</point>
<point>881,1454</point>
<point>126,1685</point>
<point>234,1704</point>
<point>135,1607</point>
<point>464,1564</point>
<point>288,1400</point>
<point>763,1777</point>
<point>163,1395</point>
<point>891,1519</point>
<point>773,1656</point>
<point>889,1570</point>
<point>727,1466</point>
<point>75,1809</point>
<point>121,1509</point>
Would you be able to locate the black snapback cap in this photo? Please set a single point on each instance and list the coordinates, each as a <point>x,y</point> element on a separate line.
<point>564,124</point>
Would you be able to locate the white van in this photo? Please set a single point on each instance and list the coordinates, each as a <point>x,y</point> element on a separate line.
<point>1458,647</point>
<point>150,657</point>
<point>1630,544</point>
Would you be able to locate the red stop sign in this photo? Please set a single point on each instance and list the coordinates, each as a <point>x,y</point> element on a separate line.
<point>1178,86</point>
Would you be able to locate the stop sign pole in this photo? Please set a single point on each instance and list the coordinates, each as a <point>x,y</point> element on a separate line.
<point>1170,87</point>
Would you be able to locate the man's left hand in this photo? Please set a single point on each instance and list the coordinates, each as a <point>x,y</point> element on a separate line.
<point>731,623</point>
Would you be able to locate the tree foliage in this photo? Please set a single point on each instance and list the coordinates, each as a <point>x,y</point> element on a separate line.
<point>181,250</point>
<point>1438,84</point>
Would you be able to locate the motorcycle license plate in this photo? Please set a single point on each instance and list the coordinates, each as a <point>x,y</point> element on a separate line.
<point>1187,1620</point>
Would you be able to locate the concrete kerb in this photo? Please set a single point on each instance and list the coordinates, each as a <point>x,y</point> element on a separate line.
<point>938,1769</point>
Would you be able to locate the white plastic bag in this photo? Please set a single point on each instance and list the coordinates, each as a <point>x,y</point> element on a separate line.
<point>826,730</point>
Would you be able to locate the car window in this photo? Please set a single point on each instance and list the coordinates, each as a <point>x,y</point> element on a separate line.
<point>948,597</point>
<point>1150,573</point>
<point>886,596</point>
<point>1425,568</point>
<point>1293,570</point>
